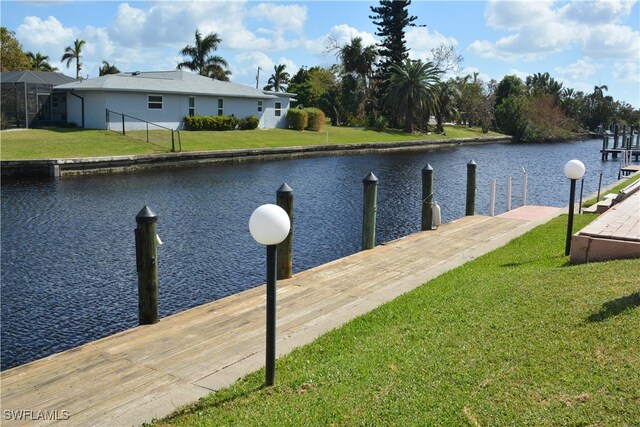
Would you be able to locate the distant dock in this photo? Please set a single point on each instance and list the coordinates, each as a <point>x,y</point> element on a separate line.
<point>620,143</point>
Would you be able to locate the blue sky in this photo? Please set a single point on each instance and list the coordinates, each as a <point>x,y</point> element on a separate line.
<point>580,43</point>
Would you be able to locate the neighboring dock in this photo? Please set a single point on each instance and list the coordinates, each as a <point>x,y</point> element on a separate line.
<point>148,371</point>
<point>613,235</point>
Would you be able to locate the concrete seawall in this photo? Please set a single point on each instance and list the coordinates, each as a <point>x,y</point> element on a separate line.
<point>87,165</point>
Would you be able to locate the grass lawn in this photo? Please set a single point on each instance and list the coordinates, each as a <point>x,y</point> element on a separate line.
<point>614,190</point>
<point>516,337</point>
<point>64,143</point>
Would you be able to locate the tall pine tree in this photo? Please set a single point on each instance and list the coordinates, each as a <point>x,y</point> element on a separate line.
<point>391,18</point>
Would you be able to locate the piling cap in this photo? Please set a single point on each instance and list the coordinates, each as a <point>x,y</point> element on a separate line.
<point>427,168</point>
<point>284,189</point>
<point>472,162</point>
<point>146,215</point>
<point>370,179</point>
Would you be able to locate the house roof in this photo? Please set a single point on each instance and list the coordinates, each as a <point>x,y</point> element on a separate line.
<point>179,82</point>
<point>35,77</point>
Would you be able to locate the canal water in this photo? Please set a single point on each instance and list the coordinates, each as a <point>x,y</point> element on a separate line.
<point>68,254</point>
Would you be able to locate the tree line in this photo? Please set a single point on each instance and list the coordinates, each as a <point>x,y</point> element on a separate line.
<point>379,86</point>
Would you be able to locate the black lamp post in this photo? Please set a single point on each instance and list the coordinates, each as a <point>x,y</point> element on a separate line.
<point>574,170</point>
<point>269,225</point>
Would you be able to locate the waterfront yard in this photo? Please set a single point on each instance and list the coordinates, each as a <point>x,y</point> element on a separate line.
<point>69,143</point>
<point>516,337</point>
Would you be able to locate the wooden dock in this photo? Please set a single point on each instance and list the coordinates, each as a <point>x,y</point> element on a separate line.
<point>146,372</point>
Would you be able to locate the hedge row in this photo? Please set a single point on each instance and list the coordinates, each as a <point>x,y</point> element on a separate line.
<point>219,123</point>
<point>308,118</point>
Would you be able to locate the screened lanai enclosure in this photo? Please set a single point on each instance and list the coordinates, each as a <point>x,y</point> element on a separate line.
<point>28,99</point>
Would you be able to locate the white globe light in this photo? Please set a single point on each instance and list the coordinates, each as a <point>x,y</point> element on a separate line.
<point>574,169</point>
<point>269,224</point>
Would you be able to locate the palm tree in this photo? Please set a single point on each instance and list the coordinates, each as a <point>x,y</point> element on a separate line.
<point>71,53</point>
<point>598,91</point>
<point>448,95</point>
<point>40,62</point>
<point>358,59</point>
<point>107,69</point>
<point>412,91</point>
<point>278,79</point>
<point>200,60</point>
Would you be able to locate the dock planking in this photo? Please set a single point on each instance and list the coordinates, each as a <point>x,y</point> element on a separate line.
<point>147,371</point>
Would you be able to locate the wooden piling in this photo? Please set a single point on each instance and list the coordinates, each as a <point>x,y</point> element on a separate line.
<point>492,198</point>
<point>427,198</point>
<point>471,188</point>
<point>284,199</point>
<point>147,266</point>
<point>370,206</point>
<point>616,137</point>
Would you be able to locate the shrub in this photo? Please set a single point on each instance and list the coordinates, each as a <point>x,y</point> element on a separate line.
<point>248,123</point>
<point>297,118</point>
<point>381,124</point>
<point>214,123</point>
<point>316,119</point>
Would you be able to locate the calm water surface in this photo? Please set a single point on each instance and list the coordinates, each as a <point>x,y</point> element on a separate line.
<point>68,255</point>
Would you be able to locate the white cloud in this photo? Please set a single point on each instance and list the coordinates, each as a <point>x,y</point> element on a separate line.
<point>512,15</point>
<point>420,41</point>
<point>626,72</point>
<point>36,34</point>
<point>247,63</point>
<point>340,35</point>
<point>541,28</point>
<point>291,66</point>
<point>582,69</point>
<point>613,41</point>
<point>596,12</point>
<point>283,17</point>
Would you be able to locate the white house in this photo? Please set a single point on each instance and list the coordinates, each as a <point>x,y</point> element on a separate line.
<point>166,97</point>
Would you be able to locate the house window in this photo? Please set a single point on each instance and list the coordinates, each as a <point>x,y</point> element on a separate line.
<point>278,109</point>
<point>154,102</point>
<point>192,105</point>
<point>220,106</point>
<point>259,106</point>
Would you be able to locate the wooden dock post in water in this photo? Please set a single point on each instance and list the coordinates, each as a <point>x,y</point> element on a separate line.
<point>427,198</point>
<point>370,206</point>
<point>147,265</point>
<point>471,188</point>
<point>284,199</point>
<point>616,137</point>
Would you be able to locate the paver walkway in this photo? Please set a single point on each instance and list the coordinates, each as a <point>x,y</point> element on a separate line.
<point>613,235</point>
<point>146,372</point>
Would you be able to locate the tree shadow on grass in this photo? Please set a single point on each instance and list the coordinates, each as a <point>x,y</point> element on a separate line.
<point>614,307</point>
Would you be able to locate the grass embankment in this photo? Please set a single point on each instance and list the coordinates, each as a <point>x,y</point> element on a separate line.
<point>66,143</point>
<point>516,337</point>
<point>592,201</point>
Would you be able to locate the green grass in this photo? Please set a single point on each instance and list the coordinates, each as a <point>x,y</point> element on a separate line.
<point>516,337</point>
<point>592,201</point>
<point>65,143</point>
